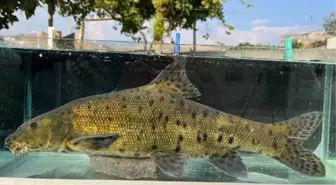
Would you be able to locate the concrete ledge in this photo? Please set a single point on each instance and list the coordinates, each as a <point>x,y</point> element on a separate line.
<point>18,181</point>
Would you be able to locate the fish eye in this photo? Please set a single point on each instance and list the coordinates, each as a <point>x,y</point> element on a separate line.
<point>33,125</point>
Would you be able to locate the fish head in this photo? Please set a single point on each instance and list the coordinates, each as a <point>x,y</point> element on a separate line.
<point>43,133</point>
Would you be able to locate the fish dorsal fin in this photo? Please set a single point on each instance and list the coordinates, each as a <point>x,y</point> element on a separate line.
<point>173,79</point>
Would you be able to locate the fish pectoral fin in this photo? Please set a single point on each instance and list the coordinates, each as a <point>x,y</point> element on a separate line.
<point>174,80</point>
<point>170,163</point>
<point>95,142</point>
<point>230,163</point>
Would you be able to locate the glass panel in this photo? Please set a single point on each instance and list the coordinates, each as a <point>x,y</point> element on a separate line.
<point>40,81</point>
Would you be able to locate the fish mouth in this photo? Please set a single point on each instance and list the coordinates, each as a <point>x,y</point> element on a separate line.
<point>17,149</point>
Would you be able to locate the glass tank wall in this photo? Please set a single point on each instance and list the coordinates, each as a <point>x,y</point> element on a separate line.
<point>36,81</point>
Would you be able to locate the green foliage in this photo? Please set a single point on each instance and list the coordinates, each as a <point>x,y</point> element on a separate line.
<point>244,44</point>
<point>329,24</point>
<point>8,7</point>
<point>168,15</point>
<point>296,44</point>
<point>131,14</point>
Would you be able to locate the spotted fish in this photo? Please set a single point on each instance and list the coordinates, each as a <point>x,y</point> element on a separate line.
<point>159,121</point>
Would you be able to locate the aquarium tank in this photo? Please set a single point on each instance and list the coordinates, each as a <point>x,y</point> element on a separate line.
<point>149,103</point>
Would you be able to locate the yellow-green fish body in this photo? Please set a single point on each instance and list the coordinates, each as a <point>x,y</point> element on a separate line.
<point>159,121</point>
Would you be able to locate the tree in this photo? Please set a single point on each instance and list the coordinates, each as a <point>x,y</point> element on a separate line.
<point>52,4</point>
<point>330,24</point>
<point>131,14</point>
<point>7,9</point>
<point>296,44</point>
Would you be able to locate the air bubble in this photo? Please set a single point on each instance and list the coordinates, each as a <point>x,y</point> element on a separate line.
<point>40,55</point>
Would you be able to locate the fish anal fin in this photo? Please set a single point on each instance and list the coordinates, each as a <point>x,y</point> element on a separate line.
<point>173,79</point>
<point>301,160</point>
<point>170,163</point>
<point>230,163</point>
<point>93,143</point>
<point>300,127</point>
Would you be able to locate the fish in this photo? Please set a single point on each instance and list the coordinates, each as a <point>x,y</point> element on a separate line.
<point>160,121</point>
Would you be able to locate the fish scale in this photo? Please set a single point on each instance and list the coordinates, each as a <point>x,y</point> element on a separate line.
<point>158,121</point>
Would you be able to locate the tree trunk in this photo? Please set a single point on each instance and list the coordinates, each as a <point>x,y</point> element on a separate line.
<point>151,45</point>
<point>194,37</point>
<point>51,11</point>
<point>161,45</point>
<point>80,35</point>
<point>145,40</point>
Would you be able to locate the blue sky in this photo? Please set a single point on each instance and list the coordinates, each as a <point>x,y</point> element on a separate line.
<point>262,24</point>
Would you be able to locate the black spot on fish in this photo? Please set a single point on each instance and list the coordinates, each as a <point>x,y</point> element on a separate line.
<point>109,118</point>
<point>198,138</point>
<point>180,138</point>
<point>193,115</point>
<point>231,139</point>
<point>140,135</point>
<point>140,109</point>
<point>121,150</point>
<point>178,148</point>
<point>89,107</point>
<point>205,113</point>
<point>178,122</point>
<point>178,86</point>
<point>154,147</point>
<point>172,101</point>
<point>270,132</point>
<point>275,145</point>
<point>184,125</point>
<point>138,97</point>
<point>151,102</point>
<point>33,125</point>
<point>124,99</point>
<point>183,89</point>
<point>247,127</point>
<point>153,127</point>
<point>161,98</point>
<point>160,115</point>
<point>220,138</point>
<point>205,136</point>
<point>166,119</point>
<point>62,113</point>
<point>160,91</point>
<point>124,106</point>
<point>107,107</point>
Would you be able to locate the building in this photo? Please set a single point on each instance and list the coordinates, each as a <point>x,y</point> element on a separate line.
<point>317,38</point>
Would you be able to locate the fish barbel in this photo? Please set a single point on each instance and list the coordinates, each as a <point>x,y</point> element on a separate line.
<point>158,121</point>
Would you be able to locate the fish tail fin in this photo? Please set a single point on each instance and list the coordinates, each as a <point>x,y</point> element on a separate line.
<point>293,155</point>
